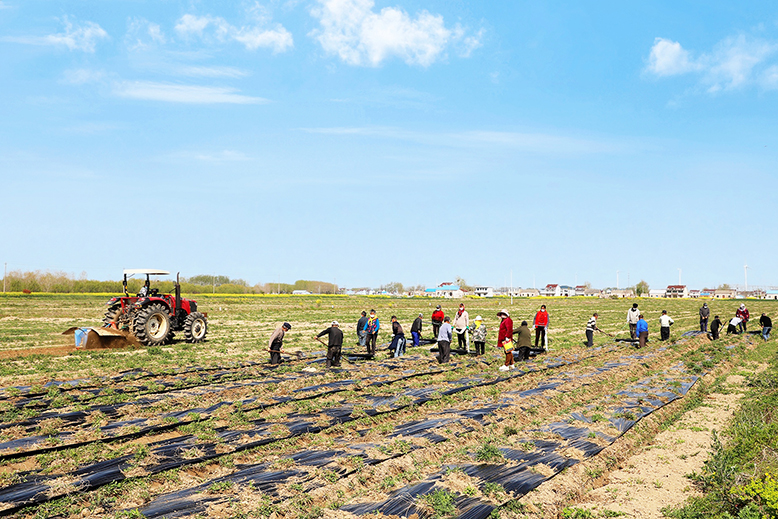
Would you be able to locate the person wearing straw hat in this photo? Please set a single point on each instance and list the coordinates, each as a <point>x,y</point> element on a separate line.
<point>276,343</point>
<point>505,339</point>
<point>479,335</point>
<point>334,344</point>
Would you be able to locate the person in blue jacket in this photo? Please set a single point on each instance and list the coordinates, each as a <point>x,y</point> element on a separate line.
<point>642,332</point>
<point>371,332</point>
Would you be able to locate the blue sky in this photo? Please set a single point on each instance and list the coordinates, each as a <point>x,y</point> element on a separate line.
<point>364,142</point>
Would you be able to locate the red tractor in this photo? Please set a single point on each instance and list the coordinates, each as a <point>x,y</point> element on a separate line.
<point>153,317</point>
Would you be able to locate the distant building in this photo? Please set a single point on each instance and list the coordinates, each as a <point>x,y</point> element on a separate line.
<point>580,290</point>
<point>657,293</point>
<point>551,291</point>
<point>770,294</point>
<point>707,292</point>
<point>529,292</point>
<point>724,293</point>
<point>622,293</point>
<point>566,291</point>
<point>694,294</point>
<point>446,290</point>
<point>300,293</point>
<point>677,291</point>
<point>483,291</point>
<point>592,292</point>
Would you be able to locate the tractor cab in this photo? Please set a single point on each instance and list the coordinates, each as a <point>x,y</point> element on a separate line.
<point>146,290</point>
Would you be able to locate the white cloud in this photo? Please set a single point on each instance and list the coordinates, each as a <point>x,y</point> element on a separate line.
<point>278,38</point>
<point>142,34</point>
<point>733,63</point>
<point>175,93</point>
<point>769,79</point>
<point>668,58</point>
<point>351,30</point>
<point>208,71</point>
<point>82,37</point>
<point>83,76</point>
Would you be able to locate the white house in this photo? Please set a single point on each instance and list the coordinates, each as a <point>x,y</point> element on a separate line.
<point>657,293</point>
<point>592,292</point>
<point>677,291</point>
<point>566,291</point>
<point>529,292</point>
<point>445,290</point>
<point>300,293</point>
<point>551,291</point>
<point>770,294</point>
<point>483,291</point>
<point>724,293</point>
<point>622,293</point>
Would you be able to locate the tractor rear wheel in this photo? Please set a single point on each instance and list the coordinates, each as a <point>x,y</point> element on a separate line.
<point>152,325</point>
<point>112,316</point>
<point>195,327</point>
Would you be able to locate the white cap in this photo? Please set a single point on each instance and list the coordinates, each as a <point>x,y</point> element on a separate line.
<point>479,318</point>
<point>335,323</point>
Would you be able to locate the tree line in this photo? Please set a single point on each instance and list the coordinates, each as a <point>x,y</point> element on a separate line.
<point>62,283</point>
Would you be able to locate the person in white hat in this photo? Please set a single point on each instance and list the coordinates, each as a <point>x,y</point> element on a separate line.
<point>479,335</point>
<point>742,312</point>
<point>334,344</point>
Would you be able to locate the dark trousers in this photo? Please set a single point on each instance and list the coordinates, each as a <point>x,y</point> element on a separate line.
<point>444,351</point>
<point>714,333</point>
<point>480,347</point>
<point>633,330</point>
<point>523,353</point>
<point>370,341</point>
<point>703,325</point>
<point>731,329</point>
<point>436,328</point>
<point>275,353</point>
<point>742,326</point>
<point>398,345</point>
<point>540,335</point>
<point>333,356</point>
<point>462,340</point>
<point>642,339</point>
<point>590,338</point>
<point>664,333</point>
<point>416,338</point>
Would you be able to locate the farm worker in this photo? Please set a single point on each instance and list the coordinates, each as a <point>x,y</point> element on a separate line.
<point>664,326</point>
<point>541,325</point>
<point>591,327</point>
<point>479,336</point>
<point>334,344</point>
<point>633,316</point>
<point>505,339</point>
<point>524,341</point>
<point>277,342</point>
<point>444,341</point>
<point>715,325</point>
<point>361,329</point>
<point>742,312</point>
<point>641,328</point>
<point>461,324</point>
<point>398,340</point>
<point>416,330</point>
<point>437,320</point>
<point>704,314</point>
<point>371,329</point>
<point>733,325</point>
<point>144,290</point>
<point>767,324</point>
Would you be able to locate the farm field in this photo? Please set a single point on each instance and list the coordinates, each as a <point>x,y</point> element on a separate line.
<point>209,429</point>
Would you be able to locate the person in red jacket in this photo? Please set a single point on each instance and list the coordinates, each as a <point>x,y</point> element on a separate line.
<point>505,339</point>
<point>541,325</point>
<point>742,312</point>
<point>437,321</point>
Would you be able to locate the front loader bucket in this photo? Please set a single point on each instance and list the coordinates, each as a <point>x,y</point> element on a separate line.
<point>91,338</point>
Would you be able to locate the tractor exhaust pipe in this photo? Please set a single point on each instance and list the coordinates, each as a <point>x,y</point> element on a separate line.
<point>178,297</point>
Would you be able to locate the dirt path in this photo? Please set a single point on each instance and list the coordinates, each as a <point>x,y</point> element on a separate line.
<point>651,478</point>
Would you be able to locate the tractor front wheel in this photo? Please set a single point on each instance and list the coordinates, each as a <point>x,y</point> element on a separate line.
<point>195,327</point>
<point>152,325</point>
